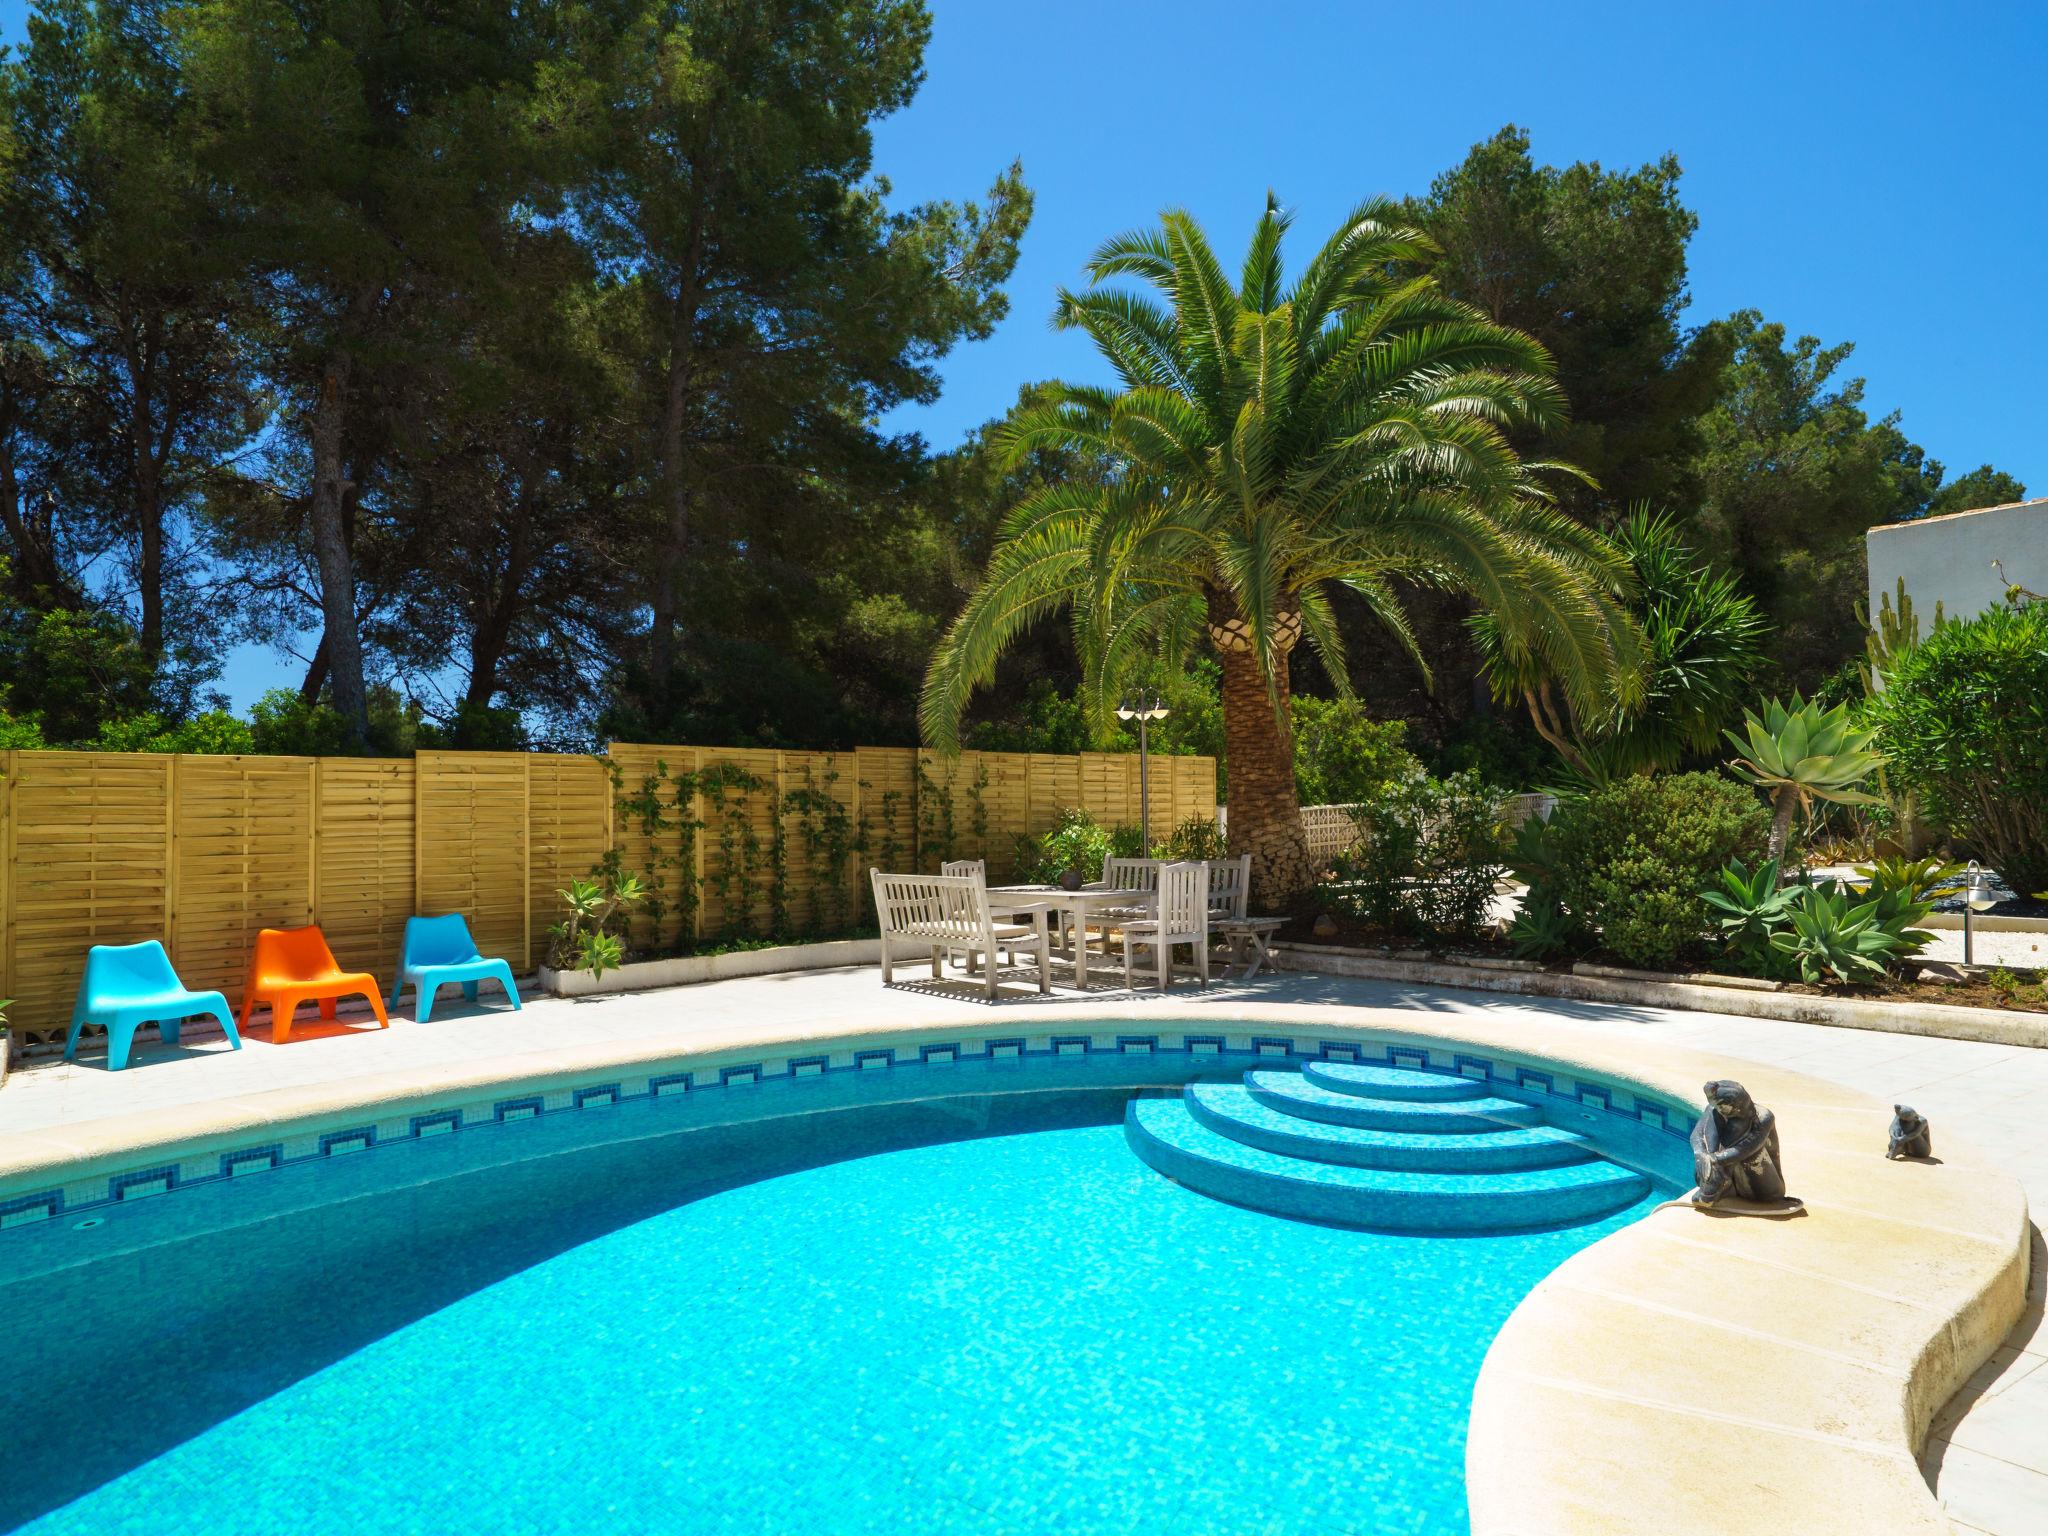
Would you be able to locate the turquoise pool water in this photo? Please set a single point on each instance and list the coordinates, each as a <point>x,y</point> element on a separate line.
<point>978,1314</point>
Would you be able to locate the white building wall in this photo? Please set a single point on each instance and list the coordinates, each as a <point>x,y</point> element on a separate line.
<point>1948,559</point>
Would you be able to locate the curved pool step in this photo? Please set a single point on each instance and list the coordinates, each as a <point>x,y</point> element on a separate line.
<point>1232,1110</point>
<point>1292,1093</point>
<point>1170,1139</point>
<point>1367,1082</point>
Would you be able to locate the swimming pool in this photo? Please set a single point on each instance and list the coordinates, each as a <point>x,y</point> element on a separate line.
<point>976,1312</point>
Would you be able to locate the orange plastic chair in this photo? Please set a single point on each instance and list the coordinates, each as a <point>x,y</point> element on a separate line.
<point>293,966</point>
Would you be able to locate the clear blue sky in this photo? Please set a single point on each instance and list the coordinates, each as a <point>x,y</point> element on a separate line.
<point>1866,172</point>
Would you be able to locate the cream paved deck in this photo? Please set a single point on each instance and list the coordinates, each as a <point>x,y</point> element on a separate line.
<point>1988,1452</point>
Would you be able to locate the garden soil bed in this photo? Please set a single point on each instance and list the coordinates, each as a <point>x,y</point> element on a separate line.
<point>1950,985</point>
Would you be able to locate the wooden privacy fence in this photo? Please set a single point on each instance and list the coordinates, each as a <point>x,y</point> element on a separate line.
<point>201,852</point>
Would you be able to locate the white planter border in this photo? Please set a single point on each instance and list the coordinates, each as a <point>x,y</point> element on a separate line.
<point>688,970</point>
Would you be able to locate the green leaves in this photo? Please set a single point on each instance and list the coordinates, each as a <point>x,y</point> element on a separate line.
<point>1752,907</point>
<point>1833,937</point>
<point>1271,443</point>
<point>1801,753</point>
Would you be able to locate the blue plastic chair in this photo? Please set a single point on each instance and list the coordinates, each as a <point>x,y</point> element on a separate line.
<point>126,986</point>
<point>439,950</point>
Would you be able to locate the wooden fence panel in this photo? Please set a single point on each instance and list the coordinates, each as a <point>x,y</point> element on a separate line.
<point>242,841</point>
<point>736,797</point>
<point>200,852</point>
<point>367,860</point>
<point>647,831</point>
<point>91,857</point>
<point>471,832</point>
<point>568,829</point>
<point>887,819</point>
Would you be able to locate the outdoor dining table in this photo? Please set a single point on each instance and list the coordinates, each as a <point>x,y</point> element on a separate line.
<point>1080,905</point>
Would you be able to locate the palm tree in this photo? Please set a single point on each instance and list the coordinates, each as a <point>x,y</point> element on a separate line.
<point>1268,444</point>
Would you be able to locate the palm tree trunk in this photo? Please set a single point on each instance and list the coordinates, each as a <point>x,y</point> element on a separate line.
<point>1265,813</point>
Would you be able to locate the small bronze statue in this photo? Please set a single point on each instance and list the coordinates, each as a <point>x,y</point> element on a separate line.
<point>1911,1134</point>
<point>1735,1149</point>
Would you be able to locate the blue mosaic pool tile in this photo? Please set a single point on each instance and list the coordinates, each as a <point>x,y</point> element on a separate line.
<point>809,1066</point>
<point>928,1054</point>
<point>1478,1068</point>
<point>667,1083</point>
<point>517,1109</point>
<point>1337,1050</point>
<point>1204,1045</point>
<point>881,1057</point>
<point>597,1096</point>
<point>1137,1045</point>
<point>750,1073</point>
<point>251,1160</point>
<point>1408,1056</point>
<point>357,1138</point>
<point>19,1211</point>
<point>1595,1093</point>
<point>1006,1048</point>
<point>142,1183</point>
<point>1070,1045</point>
<point>1266,1045</point>
<point>1527,1077</point>
<point>439,1123</point>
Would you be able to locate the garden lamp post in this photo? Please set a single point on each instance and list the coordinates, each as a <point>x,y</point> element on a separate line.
<point>1144,710</point>
<point>1977,898</point>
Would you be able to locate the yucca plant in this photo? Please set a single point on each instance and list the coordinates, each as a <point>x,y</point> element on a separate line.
<point>1703,642</point>
<point>1802,753</point>
<point>1268,443</point>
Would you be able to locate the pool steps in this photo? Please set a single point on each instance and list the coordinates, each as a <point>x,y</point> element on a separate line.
<point>1381,1147</point>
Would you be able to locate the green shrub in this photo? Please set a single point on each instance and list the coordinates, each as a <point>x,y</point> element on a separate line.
<point>1428,856</point>
<point>1342,756</point>
<point>1196,838</point>
<point>1964,721</point>
<point>1631,858</point>
<point>1076,842</point>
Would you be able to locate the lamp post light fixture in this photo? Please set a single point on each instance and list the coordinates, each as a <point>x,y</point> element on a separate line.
<point>1143,709</point>
<point>1977,898</point>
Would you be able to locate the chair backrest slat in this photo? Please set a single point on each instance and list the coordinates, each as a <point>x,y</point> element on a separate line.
<point>1230,886</point>
<point>1184,899</point>
<point>1130,874</point>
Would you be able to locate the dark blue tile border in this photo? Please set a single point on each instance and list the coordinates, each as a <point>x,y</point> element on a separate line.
<point>1556,1083</point>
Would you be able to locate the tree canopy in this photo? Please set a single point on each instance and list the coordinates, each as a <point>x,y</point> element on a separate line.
<point>518,373</point>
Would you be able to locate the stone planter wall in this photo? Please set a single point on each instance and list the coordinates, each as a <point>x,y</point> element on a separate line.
<point>686,970</point>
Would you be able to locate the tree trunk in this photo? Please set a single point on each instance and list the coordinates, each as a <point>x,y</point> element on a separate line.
<point>316,674</point>
<point>1265,812</point>
<point>149,524</point>
<point>341,641</point>
<point>673,551</point>
<point>38,577</point>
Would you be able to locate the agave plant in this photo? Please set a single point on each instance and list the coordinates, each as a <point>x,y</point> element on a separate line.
<point>1833,937</point>
<point>1753,907</point>
<point>1834,931</point>
<point>1919,880</point>
<point>1268,444</point>
<point>1543,928</point>
<point>1804,753</point>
